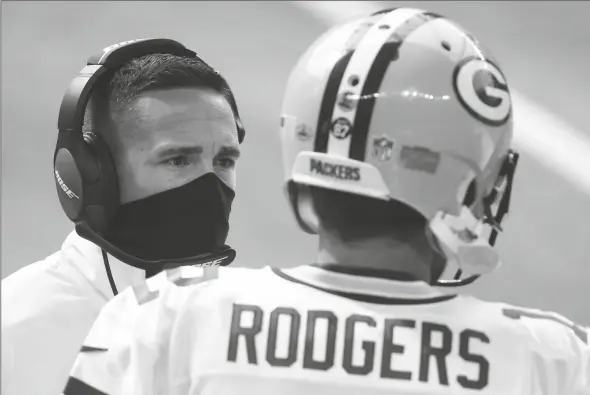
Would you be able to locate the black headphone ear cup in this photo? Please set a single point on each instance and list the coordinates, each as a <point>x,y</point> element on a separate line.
<point>106,189</point>
<point>69,181</point>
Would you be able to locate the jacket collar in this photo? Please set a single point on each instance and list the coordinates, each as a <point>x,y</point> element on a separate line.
<point>362,281</point>
<point>87,258</point>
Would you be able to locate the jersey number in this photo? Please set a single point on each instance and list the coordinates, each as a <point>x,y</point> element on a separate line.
<point>515,313</point>
<point>144,295</point>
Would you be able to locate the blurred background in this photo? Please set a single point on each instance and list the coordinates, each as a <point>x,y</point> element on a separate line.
<point>542,47</point>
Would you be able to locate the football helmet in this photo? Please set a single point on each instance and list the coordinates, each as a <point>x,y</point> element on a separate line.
<point>406,105</point>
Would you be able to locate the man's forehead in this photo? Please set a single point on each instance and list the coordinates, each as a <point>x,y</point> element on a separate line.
<point>180,111</point>
<point>180,105</point>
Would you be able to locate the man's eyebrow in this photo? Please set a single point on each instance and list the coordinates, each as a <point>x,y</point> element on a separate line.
<point>229,151</point>
<point>180,151</point>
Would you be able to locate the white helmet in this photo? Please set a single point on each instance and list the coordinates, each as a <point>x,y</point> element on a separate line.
<point>405,105</point>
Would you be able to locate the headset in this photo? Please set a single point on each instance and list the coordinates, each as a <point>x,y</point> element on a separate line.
<point>85,175</point>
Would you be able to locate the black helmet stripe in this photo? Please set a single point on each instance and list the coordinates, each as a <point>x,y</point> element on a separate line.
<point>384,11</point>
<point>388,53</point>
<point>333,84</point>
<point>328,102</point>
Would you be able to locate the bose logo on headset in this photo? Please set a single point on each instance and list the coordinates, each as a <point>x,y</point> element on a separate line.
<point>215,262</point>
<point>482,89</point>
<point>65,188</point>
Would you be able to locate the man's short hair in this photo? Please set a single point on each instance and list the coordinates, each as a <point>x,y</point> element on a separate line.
<point>354,218</point>
<point>149,73</point>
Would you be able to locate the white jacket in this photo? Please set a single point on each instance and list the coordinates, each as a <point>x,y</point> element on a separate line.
<point>48,308</point>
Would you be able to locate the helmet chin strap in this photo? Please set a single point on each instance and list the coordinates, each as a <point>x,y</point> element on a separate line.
<point>462,239</point>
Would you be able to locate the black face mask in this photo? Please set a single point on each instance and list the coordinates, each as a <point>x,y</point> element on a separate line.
<point>185,225</point>
<point>186,221</point>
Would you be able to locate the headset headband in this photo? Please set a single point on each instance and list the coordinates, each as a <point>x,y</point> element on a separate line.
<point>73,105</point>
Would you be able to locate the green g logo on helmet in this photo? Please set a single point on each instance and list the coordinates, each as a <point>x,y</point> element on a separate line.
<point>481,88</point>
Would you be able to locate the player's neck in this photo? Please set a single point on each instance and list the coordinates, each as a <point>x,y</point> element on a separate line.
<point>385,253</point>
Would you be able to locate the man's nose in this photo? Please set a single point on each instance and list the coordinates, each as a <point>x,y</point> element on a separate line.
<point>204,164</point>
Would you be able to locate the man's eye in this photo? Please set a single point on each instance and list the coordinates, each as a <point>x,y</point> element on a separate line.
<point>178,161</point>
<point>227,162</point>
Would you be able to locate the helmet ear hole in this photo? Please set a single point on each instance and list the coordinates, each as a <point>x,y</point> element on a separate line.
<point>470,194</point>
<point>302,206</point>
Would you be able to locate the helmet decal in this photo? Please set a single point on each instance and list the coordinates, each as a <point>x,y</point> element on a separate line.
<point>420,159</point>
<point>340,128</point>
<point>383,148</point>
<point>481,88</point>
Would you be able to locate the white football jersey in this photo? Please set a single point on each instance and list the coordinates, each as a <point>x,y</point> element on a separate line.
<point>317,331</point>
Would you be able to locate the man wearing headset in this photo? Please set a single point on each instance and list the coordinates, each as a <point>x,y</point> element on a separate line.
<point>149,136</point>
